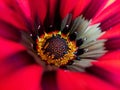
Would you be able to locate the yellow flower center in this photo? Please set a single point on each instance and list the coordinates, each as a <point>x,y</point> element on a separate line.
<point>55,48</point>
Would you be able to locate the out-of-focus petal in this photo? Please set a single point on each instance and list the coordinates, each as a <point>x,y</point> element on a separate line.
<point>11,17</point>
<point>81,81</point>
<point>9,32</point>
<point>9,48</point>
<point>38,7</point>
<point>42,7</point>
<point>52,8</point>
<point>15,62</point>
<point>52,13</point>
<point>81,5</point>
<point>113,44</point>
<point>25,79</point>
<point>111,55</point>
<point>112,32</point>
<point>108,4</point>
<point>111,66</point>
<point>112,21</point>
<point>66,6</point>
<point>107,13</point>
<point>24,6</point>
<point>51,79</point>
<point>94,7</point>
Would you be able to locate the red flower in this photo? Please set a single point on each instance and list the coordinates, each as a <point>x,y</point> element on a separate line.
<point>44,43</point>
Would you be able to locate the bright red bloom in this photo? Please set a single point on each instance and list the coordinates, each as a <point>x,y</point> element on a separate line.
<point>18,69</point>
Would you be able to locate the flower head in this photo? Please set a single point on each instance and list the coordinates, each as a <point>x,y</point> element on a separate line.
<point>59,44</point>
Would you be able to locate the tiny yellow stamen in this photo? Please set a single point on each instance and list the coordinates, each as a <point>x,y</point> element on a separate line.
<point>59,33</point>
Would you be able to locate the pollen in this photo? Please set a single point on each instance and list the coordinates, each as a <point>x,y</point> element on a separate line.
<point>55,48</point>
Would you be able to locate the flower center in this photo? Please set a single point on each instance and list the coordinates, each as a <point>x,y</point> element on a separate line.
<point>56,46</point>
<point>55,49</point>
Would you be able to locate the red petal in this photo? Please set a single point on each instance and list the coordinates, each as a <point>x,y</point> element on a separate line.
<point>9,32</point>
<point>49,80</point>
<point>52,8</point>
<point>20,7</point>
<point>112,33</point>
<point>14,63</point>
<point>9,48</point>
<point>25,79</point>
<point>42,9</point>
<point>111,55</point>
<point>38,7</point>
<point>81,5</point>
<point>113,67</point>
<point>109,3</point>
<point>107,13</point>
<point>66,7</point>
<point>11,17</point>
<point>81,81</point>
<point>94,7</point>
<point>113,20</point>
<point>113,44</point>
<point>24,6</point>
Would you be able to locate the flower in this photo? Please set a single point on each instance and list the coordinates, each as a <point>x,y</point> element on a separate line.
<point>59,44</point>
